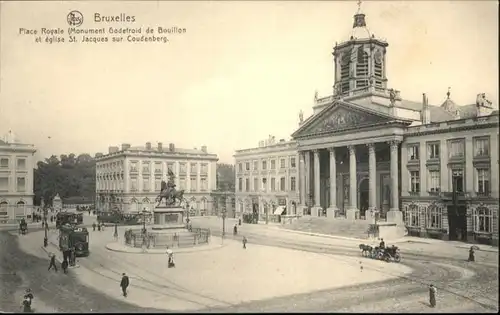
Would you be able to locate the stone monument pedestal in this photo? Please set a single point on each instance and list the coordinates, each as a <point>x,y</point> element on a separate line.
<point>168,218</point>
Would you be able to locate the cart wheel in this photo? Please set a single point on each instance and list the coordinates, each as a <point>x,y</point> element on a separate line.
<point>397,258</point>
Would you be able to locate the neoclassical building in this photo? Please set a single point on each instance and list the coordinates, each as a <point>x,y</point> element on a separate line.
<point>366,149</point>
<point>17,163</point>
<point>129,178</point>
<point>267,177</point>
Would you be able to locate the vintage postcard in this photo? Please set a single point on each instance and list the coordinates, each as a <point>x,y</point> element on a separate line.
<point>249,156</point>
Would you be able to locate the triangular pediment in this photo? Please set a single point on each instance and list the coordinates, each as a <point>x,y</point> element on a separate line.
<point>341,116</point>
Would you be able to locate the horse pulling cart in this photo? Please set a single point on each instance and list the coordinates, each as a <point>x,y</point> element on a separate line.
<point>387,254</point>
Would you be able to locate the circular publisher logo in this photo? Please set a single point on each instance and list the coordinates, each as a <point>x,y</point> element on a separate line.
<point>75,18</point>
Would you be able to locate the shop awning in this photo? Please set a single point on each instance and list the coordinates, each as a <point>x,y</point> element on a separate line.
<point>279,210</point>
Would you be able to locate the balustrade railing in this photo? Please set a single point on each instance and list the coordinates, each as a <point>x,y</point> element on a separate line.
<point>197,236</point>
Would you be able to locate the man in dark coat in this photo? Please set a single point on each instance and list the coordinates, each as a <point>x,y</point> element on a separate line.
<point>244,242</point>
<point>52,262</point>
<point>64,266</point>
<point>124,284</point>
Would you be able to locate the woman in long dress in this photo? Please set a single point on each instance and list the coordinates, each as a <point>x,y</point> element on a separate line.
<point>432,295</point>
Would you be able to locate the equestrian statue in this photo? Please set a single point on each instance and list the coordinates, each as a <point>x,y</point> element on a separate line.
<point>169,193</point>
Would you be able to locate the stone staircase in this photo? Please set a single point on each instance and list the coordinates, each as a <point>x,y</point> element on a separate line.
<point>337,227</point>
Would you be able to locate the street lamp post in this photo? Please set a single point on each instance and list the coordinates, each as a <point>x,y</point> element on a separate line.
<point>223,223</point>
<point>46,238</point>
<point>144,219</point>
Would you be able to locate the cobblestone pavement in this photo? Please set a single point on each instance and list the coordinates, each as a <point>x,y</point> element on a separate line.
<point>462,286</point>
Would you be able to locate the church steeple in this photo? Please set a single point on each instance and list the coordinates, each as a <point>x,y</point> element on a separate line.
<point>360,61</point>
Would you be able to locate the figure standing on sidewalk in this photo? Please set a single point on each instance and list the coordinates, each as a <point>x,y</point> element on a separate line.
<point>124,284</point>
<point>64,266</point>
<point>244,242</point>
<point>432,295</point>
<point>52,262</point>
<point>235,229</point>
<point>472,257</point>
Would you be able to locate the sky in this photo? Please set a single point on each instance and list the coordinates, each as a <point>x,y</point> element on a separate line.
<point>242,71</point>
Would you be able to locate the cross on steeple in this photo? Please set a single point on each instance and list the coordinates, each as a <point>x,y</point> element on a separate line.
<point>359,6</point>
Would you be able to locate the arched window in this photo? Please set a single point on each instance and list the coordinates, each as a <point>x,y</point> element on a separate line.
<point>4,204</point>
<point>434,217</point>
<point>21,203</point>
<point>483,220</point>
<point>362,63</point>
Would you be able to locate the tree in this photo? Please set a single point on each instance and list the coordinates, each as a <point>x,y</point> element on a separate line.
<point>225,177</point>
<point>68,176</point>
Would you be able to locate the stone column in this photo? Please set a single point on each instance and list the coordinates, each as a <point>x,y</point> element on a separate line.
<point>317,182</point>
<point>372,174</point>
<point>307,166</point>
<point>302,179</point>
<point>333,185</point>
<point>394,215</point>
<point>353,189</point>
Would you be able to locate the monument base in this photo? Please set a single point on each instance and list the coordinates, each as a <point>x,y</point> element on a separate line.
<point>168,218</point>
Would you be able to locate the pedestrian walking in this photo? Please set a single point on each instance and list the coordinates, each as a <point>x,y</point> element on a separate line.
<point>98,227</point>
<point>93,226</point>
<point>235,229</point>
<point>244,242</point>
<point>432,295</point>
<point>52,262</point>
<point>472,256</point>
<point>64,266</point>
<point>124,284</point>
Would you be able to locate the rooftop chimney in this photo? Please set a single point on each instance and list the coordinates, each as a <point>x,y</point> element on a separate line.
<point>148,145</point>
<point>160,146</point>
<point>204,148</point>
<point>113,149</point>
<point>171,147</point>
<point>425,113</point>
<point>125,146</point>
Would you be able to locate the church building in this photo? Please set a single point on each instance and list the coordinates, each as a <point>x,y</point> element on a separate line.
<point>366,152</point>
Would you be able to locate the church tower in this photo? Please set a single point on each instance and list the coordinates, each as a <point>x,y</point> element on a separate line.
<point>360,62</point>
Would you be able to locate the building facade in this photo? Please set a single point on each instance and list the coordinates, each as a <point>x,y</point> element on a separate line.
<point>129,178</point>
<point>267,177</point>
<point>365,149</point>
<point>17,163</point>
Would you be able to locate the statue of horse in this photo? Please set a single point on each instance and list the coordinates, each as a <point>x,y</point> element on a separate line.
<point>166,194</point>
<point>178,195</point>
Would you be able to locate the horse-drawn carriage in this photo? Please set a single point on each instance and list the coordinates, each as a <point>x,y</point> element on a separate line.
<point>23,227</point>
<point>388,253</point>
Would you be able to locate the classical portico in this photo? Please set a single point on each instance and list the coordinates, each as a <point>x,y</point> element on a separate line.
<point>349,162</point>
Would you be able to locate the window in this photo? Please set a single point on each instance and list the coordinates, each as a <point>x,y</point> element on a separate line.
<point>264,184</point>
<point>481,147</point>
<point>457,177</point>
<point>193,183</point>
<point>273,164</point>
<point>193,168</point>
<point>240,184</point>
<point>433,151</point>
<point>483,220</point>
<point>204,168</point>
<point>483,182</point>
<point>344,66</point>
<point>133,167</point>
<point>247,166</point>
<point>255,184</point>
<point>145,184</point>
<point>204,184</point>
<point>434,217</point>
<point>255,165</point>
<point>134,183</point>
<point>158,168</point>
<point>4,162</point>
<point>273,184</point>
<point>171,167</point>
<point>240,167</point>
<point>362,63</point>
<point>282,163</point>
<point>182,168</point>
<point>292,163</point>
<point>21,164</point>
<point>247,184</point>
<point>411,216</point>
<point>415,181</point>
<point>434,181</point>
<point>456,148</point>
<point>283,184</point>
<point>182,183</point>
<point>413,152</point>
<point>145,168</point>
<point>21,184</point>
<point>293,184</point>
<point>264,165</point>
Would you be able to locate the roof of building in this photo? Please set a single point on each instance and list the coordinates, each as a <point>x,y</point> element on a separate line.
<point>177,150</point>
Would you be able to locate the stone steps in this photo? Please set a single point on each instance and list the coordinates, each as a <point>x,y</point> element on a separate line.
<point>356,229</point>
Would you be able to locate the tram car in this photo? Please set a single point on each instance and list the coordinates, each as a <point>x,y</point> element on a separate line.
<point>68,218</point>
<point>72,236</point>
